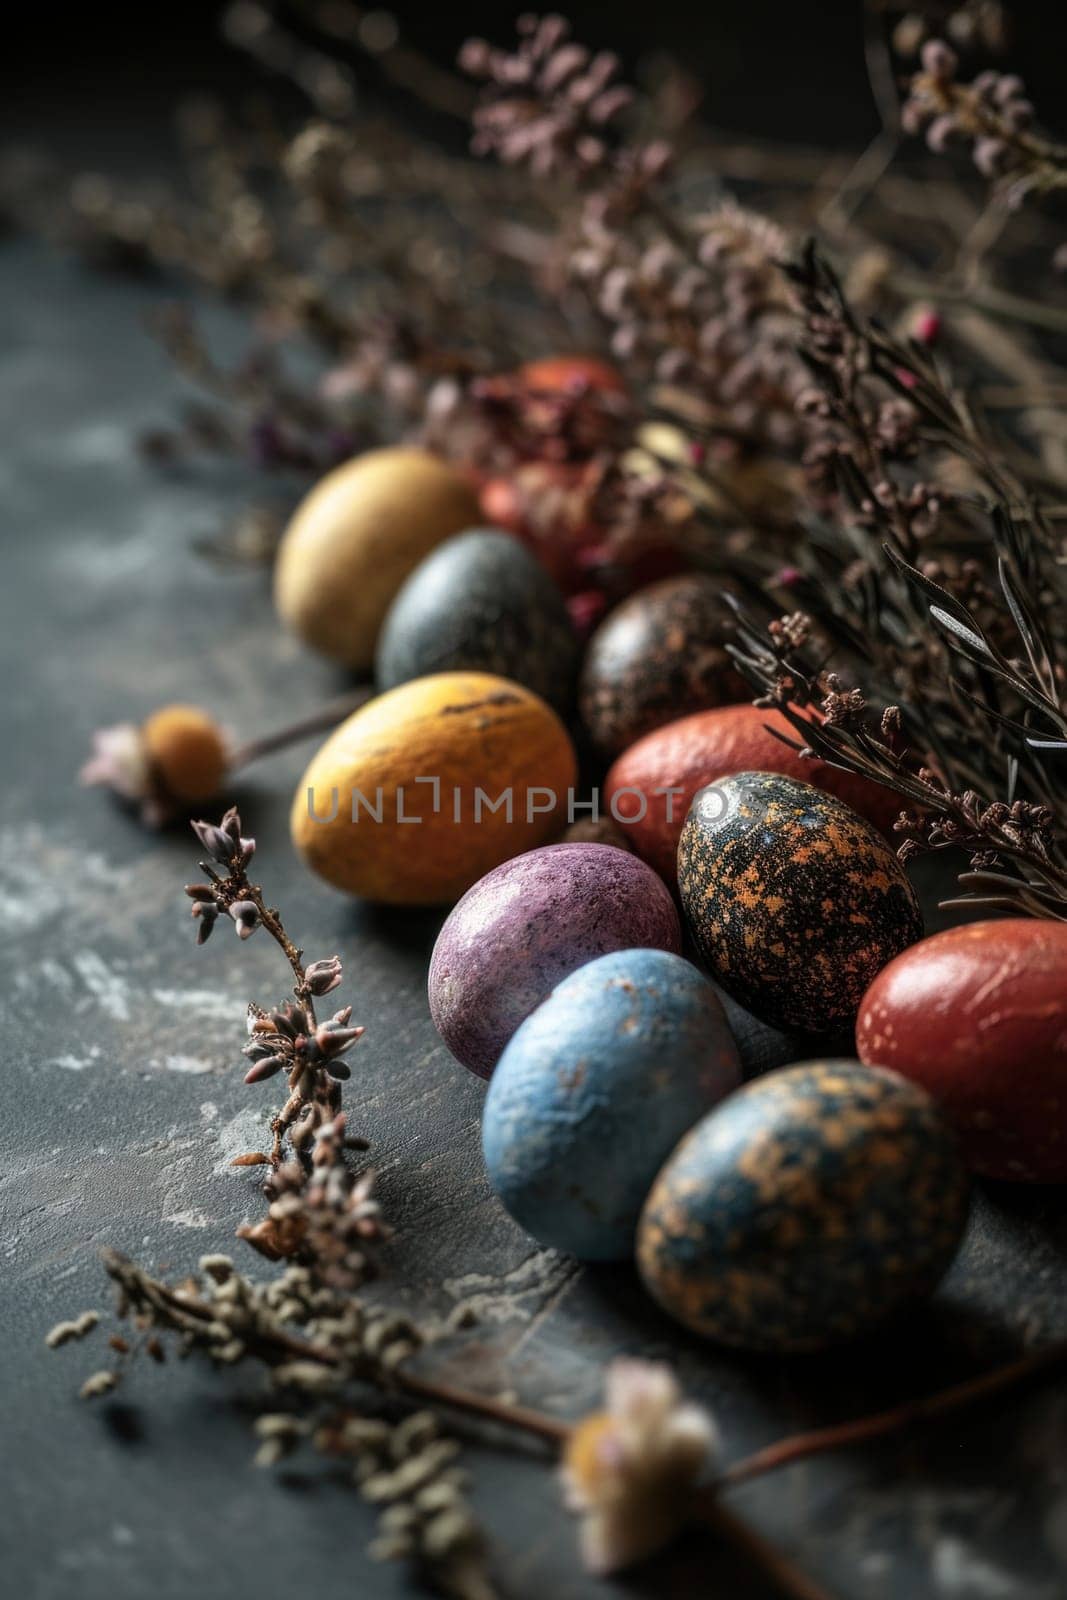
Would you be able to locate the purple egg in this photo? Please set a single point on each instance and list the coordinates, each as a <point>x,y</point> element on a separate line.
<point>528,924</point>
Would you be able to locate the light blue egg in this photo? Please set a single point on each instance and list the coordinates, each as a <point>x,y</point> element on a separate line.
<point>594,1091</point>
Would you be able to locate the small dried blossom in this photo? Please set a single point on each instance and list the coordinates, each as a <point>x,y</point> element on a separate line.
<point>629,1471</point>
<point>177,757</point>
<point>992,114</point>
<point>327,1218</point>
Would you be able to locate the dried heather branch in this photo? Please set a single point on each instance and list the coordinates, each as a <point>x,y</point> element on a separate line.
<point>288,1038</point>
<point>993,116</point>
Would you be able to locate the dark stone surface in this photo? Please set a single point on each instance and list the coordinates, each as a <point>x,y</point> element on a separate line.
<point>123,1103</point>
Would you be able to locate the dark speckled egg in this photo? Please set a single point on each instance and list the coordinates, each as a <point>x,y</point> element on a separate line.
<point>656,657</point>
<point>805,1209</point>
<point>594,1091</point>
<point>794,901</point>
<point>481,602</point>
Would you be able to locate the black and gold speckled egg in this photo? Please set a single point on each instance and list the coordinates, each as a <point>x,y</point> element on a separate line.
<point>805,1209</point>
<point>794,901</point>
<point>658,656</point>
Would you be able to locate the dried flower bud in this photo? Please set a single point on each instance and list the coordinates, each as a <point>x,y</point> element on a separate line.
<point>321,977</point>
<point>629,1470</point>
<point>218,844</point>
<point>245,914</point>
<point>939,60</point>
<point>265,1068</point>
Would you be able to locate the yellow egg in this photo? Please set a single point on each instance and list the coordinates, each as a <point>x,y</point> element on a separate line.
<point>427,788</point>
<point>356,537</point>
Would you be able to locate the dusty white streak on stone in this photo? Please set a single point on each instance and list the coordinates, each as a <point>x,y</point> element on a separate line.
<point>501,1299</point>
<point>205,1002</point>
<point>248,1130</point>
<point>72,1063</point>
<point>190,1064</point>
<point>189,1219</point>
<point>959,1570</point>
<point>109,990</point>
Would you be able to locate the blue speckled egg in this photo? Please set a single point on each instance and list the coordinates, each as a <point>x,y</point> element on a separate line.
<point>811,1205</point>
<point>595,1089</point>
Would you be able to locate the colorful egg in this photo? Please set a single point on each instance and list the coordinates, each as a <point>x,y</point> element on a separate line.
<point>978,1016</point>
<point>481,602</point>
<point>524,927</point>
<point>356,537</point>
<point>805,1209</point>
<point>562,374</point>
<point>654,658</point>
<point>649,789</point>
<point>424,789</point>
<point>794,901</point>
<point>594,1091</point>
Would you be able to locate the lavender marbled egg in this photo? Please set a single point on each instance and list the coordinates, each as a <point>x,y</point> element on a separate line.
<point>526,925</point>
<point>595,1089</point>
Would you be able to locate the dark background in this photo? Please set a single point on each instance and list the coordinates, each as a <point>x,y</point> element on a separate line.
<point>777,68</point>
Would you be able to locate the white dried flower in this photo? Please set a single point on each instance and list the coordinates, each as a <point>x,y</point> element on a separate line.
<point>629,1470</point>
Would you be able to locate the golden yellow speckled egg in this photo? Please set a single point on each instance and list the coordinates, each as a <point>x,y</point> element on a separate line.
<point>427,788</point>
<point>356,537</point>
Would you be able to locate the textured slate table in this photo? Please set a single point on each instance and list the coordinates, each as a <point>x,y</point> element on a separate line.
<point>123,1106</point>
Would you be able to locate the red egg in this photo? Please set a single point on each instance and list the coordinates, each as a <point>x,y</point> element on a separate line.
<point>556,374</point>
<point>685,755</point>
<point>978,1016</point>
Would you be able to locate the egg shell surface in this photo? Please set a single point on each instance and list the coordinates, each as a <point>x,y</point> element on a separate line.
<point>354,539</point>
<point>697,750</point>
<point>593,1092</point>
<point>525,926</point>
<point>978,1016</point>
<point>655,657</point>
<point>481,602</point>
<point>805,1209</point>
<point>471,732</point>
<point>795,902</point>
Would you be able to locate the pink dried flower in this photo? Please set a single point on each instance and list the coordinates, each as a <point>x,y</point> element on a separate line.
<point>629,1471</point>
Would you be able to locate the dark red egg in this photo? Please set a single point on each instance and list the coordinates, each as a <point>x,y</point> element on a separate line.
<point>700,749</point>
<point>978,1016</point>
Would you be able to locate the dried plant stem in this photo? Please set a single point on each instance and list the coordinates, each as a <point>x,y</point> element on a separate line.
<point>321,721</point>
<point>778,1568</point>
<point>842,1435</point>
<point>278,1345</point>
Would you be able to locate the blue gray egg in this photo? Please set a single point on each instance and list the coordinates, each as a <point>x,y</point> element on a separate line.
<point>595,1089</point>
<point>807,1208</point>
<point>481,602</point>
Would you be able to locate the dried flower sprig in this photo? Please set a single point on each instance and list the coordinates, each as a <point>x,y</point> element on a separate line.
<point>993,115</point>
<point>636,1472</point>
<point>288,1038</point>
<point>1016,849</point>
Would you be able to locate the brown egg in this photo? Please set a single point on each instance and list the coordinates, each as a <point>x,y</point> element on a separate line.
<point>978,1016</point>
<point>655,658</point>
<point>685,755</point>
<point>407,802</point>
<point>356,537</point>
